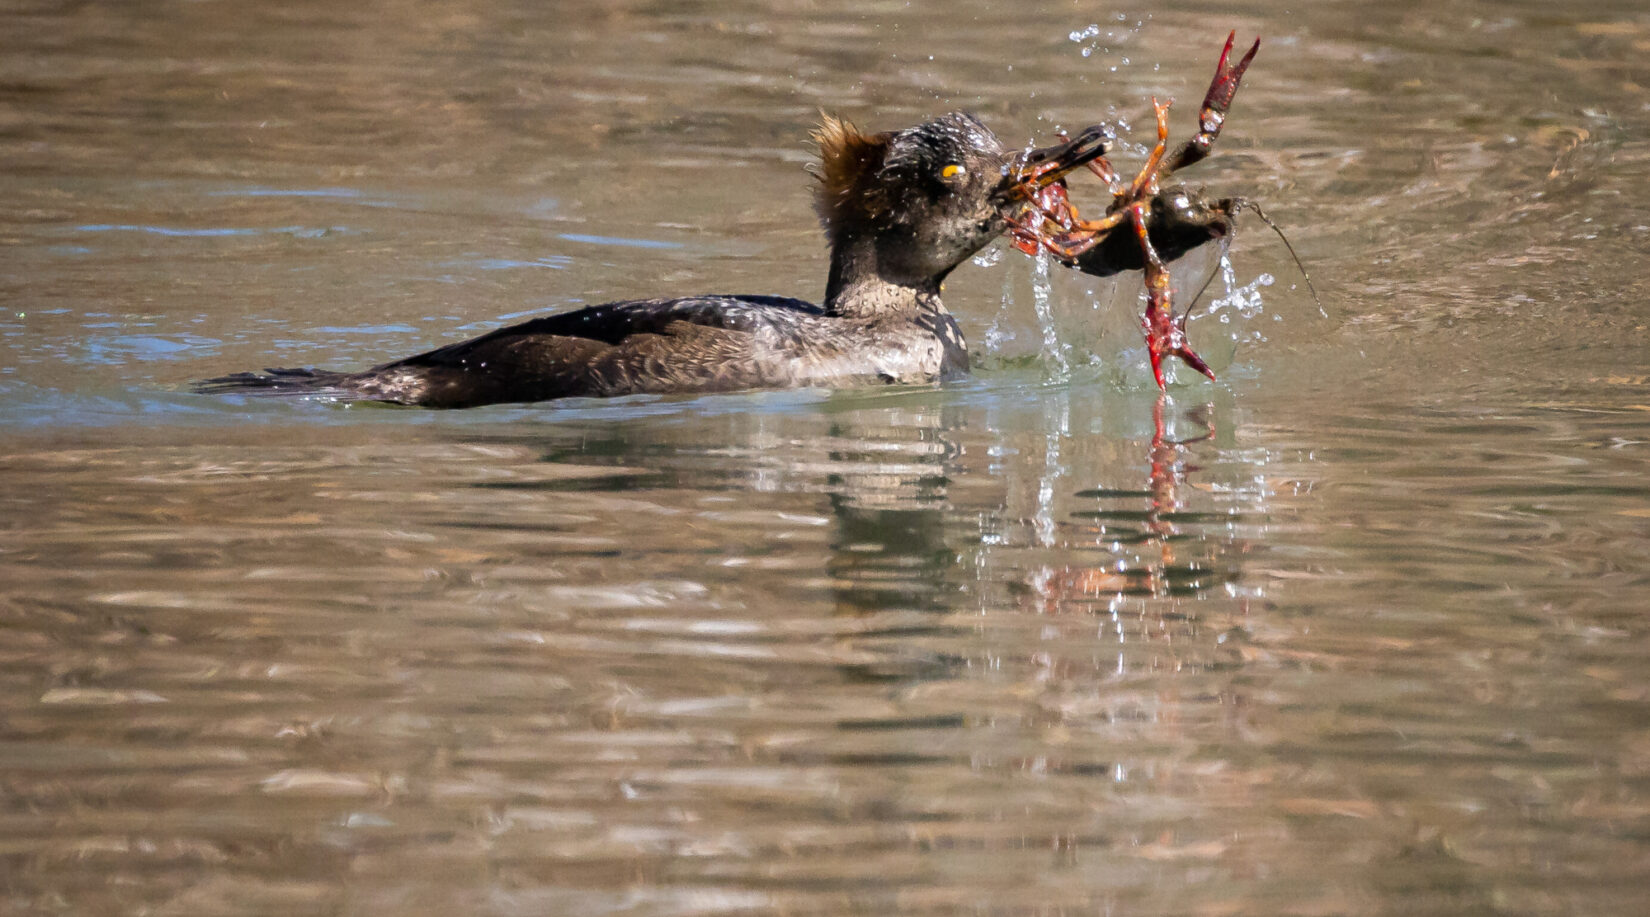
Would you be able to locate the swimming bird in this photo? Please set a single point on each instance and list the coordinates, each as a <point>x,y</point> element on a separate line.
<point>900,209</point>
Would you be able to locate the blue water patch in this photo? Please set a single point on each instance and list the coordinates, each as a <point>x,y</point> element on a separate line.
<point>616,240</point>
<point>290,192</point>
<point>301,232</point>
<point>367,329</point>
<point>353,196</point>
<point>165,230</point>
<point>539,310</point>
<point>554,262</point>
<point>26,406</point>
<point>126,348</point>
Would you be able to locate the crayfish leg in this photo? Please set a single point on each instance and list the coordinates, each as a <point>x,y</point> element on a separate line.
<point>1065,245</point>
<point>1145,183</point>
<point>1103,168</point>
<point>1165,331</point>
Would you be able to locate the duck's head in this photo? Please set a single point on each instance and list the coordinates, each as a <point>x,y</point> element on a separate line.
<point>923,199</point>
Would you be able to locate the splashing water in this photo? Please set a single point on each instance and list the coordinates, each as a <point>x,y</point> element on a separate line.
<point>1094,38</point>
<point>1057,411</point>
<point>998,334</point>
<point>1244,301</point>
<point>1053,353</point>
<point>1082,35</point>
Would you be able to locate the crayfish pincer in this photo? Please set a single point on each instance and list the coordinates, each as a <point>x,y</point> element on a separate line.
<point>1145,225</point>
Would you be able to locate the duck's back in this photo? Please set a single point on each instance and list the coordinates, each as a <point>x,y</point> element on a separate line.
<point>695,344</point>
<point>661,346</point>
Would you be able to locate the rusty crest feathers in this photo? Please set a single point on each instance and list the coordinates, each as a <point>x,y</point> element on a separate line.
<point>846,158</point>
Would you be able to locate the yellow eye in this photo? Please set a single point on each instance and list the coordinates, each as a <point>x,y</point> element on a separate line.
<point>952,171</point>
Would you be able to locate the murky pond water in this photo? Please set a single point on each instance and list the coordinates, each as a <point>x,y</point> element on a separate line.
<point>1362,629</point>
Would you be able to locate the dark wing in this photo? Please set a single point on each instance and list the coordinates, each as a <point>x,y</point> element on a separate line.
<point>611,323</point>
<point>699,344</point>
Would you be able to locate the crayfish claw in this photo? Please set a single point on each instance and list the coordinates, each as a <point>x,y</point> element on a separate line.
<point>1166,335</point>
<point>1222,89</point>
<point>1165,331</point>
<point>1191,359</point>
<point>1225,83</point>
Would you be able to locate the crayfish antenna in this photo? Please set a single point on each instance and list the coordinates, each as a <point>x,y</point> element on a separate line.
<point>1244,204</point>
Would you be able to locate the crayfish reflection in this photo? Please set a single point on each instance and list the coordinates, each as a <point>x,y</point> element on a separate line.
<point>1155,548</point>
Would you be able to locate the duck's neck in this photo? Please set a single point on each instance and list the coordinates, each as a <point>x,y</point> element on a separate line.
<point>860,286</point>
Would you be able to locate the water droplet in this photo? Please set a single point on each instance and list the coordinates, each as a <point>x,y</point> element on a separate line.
<point>1042,296</point>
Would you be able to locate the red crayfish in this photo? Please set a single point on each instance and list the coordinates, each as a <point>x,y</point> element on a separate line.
<point>1145,225</point>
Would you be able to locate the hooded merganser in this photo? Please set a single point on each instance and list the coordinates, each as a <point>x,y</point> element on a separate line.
<point>901,209</point>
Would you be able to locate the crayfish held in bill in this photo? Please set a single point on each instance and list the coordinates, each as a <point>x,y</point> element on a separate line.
<point>1145,225</point>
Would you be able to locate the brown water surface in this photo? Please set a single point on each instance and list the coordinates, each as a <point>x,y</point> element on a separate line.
<point>1363,629</point>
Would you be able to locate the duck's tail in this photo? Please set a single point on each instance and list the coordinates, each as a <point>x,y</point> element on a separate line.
<point>280,382</point>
